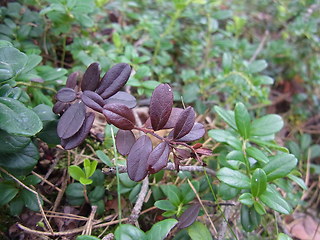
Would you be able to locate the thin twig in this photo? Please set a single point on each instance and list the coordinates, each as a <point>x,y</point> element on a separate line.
<point>224,223</point>
<point>88,228</point>
<point>170,167</point>
<point>203,207</point>
<point>34,192</point>
<point>260,47</point>
<point>137,208</point>
<point>46,181</point>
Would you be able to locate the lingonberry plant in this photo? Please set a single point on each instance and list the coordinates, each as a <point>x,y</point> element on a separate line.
<point>249,164</point>
<point>104,97</point>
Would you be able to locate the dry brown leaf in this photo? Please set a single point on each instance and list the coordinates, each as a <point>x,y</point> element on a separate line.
<point>304,228</point>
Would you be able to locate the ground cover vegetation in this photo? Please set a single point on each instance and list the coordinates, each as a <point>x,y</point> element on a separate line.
<point>184,119</point>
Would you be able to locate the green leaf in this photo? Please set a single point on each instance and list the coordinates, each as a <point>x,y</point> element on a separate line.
<point>266,125</point>
<point>272,198</point>
<point>104,158</point>
<point>76,172</point>
<point>268,145</point>
<point>257,154</point>
<point>298,181</point>
<point>257,66</point>
<point>242,118</point>
<point>85,181</point>
<point>160,230</point>
<point>280,166</point>
<point>173,193</point>
<point>12,62</point>
<point>129,232</point>
<point>187,192</point>
<point>7,193</point>
<point>259,208</point>
<point>75,190</point>
<point>16,206</point>
<point>258,182</point>
<point>87,237</point>
<point>12,143</point>
<point>246,199</point>
<point>165,205</point>
<point>227,192</point>
<point>250,219</point>
<point>32,180</point>
<point>199,231</point>
<point>233,178</point>
<point>227,116</point>
<point>15,118</point>
<point>283,236</point>
<point>226,62</point>
<point>20,162</point>
<point>225,137</point>
<point>30,200</point>
<point>96,194</point>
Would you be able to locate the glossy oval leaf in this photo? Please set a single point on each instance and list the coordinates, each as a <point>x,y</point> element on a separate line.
<point>158,158</point>
<point>199,231</point>
<point>129,232</point>
<point>15,118</point>
<point>266,125</point>
<point>12,143</point>
<point>72,80</point>
<point>21,162</point>
<point>189,216</point>
<point>30,200</point>
<point>92,103</point>
<point>59,107</point>
<point>76,172</point>
<point>272,198</point>
<point>66,95</point>
<point>227,116</point>
<point>160,106</point>
<point>87,237</point>
<point>95,97</point>
<point>138,157</point>
<point>114,80</point>
<point>258,182</point>
<point>79,137</point>
<point>257,154</point>
<point>280,166</point>
<point>233,178</point>
<point>7,193</point>
<point>160,230</point>
<point>119,115</point>
<point>246,199</point>
<point>104,158</point>
<point>72,120</point>
<point>122,98</point>
<point>242,118</point>
<point>184,123</point>
<point>196,133</point>
<point>250,219</point>
<point>91,77</point>
<point>124,141</point>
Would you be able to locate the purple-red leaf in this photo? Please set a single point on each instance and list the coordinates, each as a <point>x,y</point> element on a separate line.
<point>184,123</point>
<point>160,106</point>
<point>174,115</point>
<point>66,95</point>
<point>72,120</point>
<point>189,216</point>
<point>196,133</point>
<point>138,157</point>
<point>79,137</point>
<point>59,107</point>
<point>124,141</point>
<point>122,98</point>
<point>114,80</point>
<point>92,100</point>
<point>183,153</point>
<point>119,115</point>
<point>91,77</point>
<point>158,158</point>
<point>72,80</point>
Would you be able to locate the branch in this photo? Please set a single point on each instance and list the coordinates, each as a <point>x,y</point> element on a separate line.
<point>170,167</point>
<point>137,208</point>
